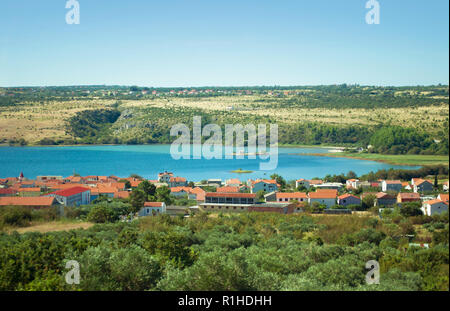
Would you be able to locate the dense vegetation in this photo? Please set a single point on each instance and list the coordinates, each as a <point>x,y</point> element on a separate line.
<point>251,251</point>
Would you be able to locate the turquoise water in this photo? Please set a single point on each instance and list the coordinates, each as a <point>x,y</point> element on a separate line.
<point>149,160</point>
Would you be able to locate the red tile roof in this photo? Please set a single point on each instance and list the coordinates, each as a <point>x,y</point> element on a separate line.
<point>7,191</point>
<point>153,204</point>
<point>71,191</point>
<point>27,201</point>
<point>347,195</point>
<point>228,189</point>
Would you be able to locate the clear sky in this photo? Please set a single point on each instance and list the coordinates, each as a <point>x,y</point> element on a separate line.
<point>223,43</point>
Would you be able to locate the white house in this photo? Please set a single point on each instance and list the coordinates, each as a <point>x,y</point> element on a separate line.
<point>433,207</point>
<point>391,185</point>
<point>165,177</point>
<point>302,182</point>
<point>445,186</point>
<point>153,208</point>
<point>326,197</point>
<point>72,196</point>
<point>267,185</point>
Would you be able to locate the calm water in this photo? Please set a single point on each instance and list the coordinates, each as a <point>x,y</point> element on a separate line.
<point>149,160</point>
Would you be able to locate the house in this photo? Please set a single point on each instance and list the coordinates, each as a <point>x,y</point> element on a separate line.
<point>72,196</point>
<point>423,186</point>
<point>445,186</point>
<point>177,182</point>
<point>391,185</point>
<point>407,186</point>
<point>384,199</point>
<point>323,196</point>
<point>152,208</point>
<point>348,199</point>
<point>434,207</point>
<point>329,185</point>
<point>233,182</point>
<point>443,197</point>
<point>214,182</point>
<point>30,192</point>
<point>280,208</point>
<point>180,191</point>
<point>406,197</point>
<point>228,202</point>
<point>302,183</point>
<point>165,177</point>
<point>266,185</point>
<point>291,196</point>
<point>197,193</point>
<point>32,202</point>
<point>7,192</point>
<point>229,189</point>
<point>352,183</point>
<point>270,197</point>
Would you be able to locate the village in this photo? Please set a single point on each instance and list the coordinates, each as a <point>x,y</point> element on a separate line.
<point>230,196</point>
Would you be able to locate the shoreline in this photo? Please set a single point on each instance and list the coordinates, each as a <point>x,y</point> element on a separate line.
<point>386,161</point>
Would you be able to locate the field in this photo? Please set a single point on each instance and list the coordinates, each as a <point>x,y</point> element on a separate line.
<point>43,227</point>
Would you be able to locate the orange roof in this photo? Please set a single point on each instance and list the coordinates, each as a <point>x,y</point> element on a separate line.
<point>199,192</point>
<point>347,195</point>
<point>409,195</point>
<point>153,204</point>
<point>228,189</point>
<point>421,181</point>
<point>393,182</point>
<point>382,195</point>
<point>35,189</point>
<point>233,181</point>
<point>432,202</point>
<point>291,195</point>
<point>322,195</point>
<point>315,182</point>
<point>122,194</point>
<point>177,179</point>
<point>180,189</point>
<point>27,201</point>
<point>444,197</point>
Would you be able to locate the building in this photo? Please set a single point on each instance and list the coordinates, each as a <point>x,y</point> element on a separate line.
<point>32,202</point>
<point>291,196</point>
<point>302,183</point>
<point>30,192</point>
<point>280,208</point>
<point>423,186</point>
<point>348,199</point>
<point>329,185</point>
<point>231,202</point>
<point>266,185</point>
<point>445,186</point>
<point>180,191</point>
<point>7,192</point>
<point>214,182</point>
<point>323,196</point>
<point>152,208</point>
<point>177,182</point>
<point>434,207</point>
<point>165,177</point>
<point>443,197</point>
<point>228,189</point>
<point>72,196</point>
<point>384,199</point>
<point>197,194</point>
<point>233,182</point>
<point>406,197</point>
<point>352,183</point>
<point>270,197</point>
<point>391,185</point>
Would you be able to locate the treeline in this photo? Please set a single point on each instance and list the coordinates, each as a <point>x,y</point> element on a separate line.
<point>249,251</point>
<point>407,174</point>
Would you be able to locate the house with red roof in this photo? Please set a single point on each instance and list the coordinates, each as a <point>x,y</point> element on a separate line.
<point>177,182</point>
<point>228,189</point>
<point>266,185</point>
<point>423,185</point>
<point>433,207</point>
<point>152,209</point>
<point>291,196</point>
<point>74,196</point>
<point>406,197</point>
<point>7,192</point>
<point>323,196</point>
<point>384,199</point>
<point>391,185</point>
<point>348,199</point>
<point>443,197</point>
<point>32,202</point>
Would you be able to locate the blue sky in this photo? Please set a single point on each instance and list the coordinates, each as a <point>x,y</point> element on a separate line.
<point>223,43</point>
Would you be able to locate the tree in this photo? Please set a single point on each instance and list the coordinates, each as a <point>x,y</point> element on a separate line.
<point>368,201</point>
<point>280,180</point>
<point>137,199</point>
<point>260,195</point>
<point>147,187</point>
<point>411,209</point>
<point>163,195</point>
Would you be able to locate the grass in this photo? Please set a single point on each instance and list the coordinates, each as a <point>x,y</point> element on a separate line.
<point>402,159</point>
<point>59,225</point>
